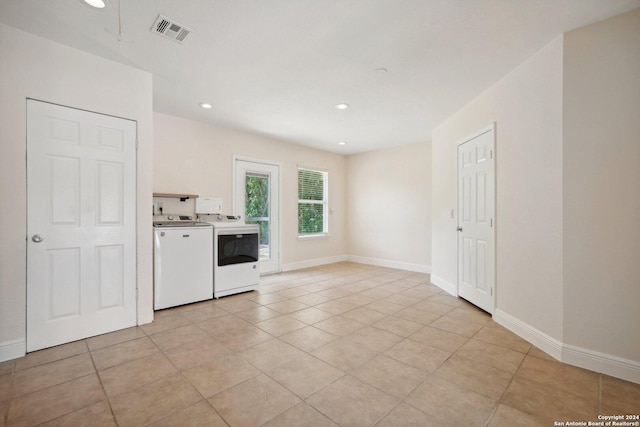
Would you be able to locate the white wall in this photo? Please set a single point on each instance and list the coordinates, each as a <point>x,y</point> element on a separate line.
<point>389,204</point>
<point>526,107</point>
<point>197,158</point>
<point>476,115</point>
<point>32,67</point>
<point>529,191</point>
<point>602,187</point>
<point>568,195</point>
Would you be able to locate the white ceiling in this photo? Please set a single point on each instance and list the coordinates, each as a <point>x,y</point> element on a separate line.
<point>278,67</point>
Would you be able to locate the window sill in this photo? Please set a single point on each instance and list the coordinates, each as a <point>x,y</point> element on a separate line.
<point>313,236</point>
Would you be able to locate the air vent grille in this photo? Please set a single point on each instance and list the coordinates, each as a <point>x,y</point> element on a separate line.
<point>162,26</point>
<point>170,29</point>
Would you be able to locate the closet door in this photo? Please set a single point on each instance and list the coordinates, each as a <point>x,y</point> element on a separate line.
<point>81,248</point>
<point>476,205</point>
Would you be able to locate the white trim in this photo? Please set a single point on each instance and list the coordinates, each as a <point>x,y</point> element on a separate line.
<point>407,266</point>
<point>418,268</point>
<point>448,287</point>
<point>309,168</point>
<point>316,236</point>
<point>490,128</point>
<point>478,133</point>
<point>255,160</point>
<point>145,318</point>
<point>544,342</point>
<point>596,361</point>
<point>615,366</point>
<point>235,159</point>
<point>324,202</point>
<point>12,349</point>
<point>314,262</point>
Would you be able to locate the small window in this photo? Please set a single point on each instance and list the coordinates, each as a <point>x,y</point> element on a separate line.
<point>313,202</point>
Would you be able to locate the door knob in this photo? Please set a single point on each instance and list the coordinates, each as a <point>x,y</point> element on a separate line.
<point>459,229</point>
<point>37,238</point>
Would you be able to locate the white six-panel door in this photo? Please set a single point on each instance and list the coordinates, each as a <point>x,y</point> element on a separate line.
<point>476,220</point>
<point>81,247</point>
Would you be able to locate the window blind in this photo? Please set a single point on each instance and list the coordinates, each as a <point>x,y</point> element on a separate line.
<point>312,201</point>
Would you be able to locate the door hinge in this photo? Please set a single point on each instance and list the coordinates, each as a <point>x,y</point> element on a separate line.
<point>136,143</point>
<point>491,222</point>
<point>491,154</point>
<point>491,291</point>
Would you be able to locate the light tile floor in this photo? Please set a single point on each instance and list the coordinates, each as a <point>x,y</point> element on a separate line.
<point>344,344</point>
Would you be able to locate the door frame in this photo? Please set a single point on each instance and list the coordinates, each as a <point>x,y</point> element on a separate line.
<point>489,128</point>
<point>279,204</point>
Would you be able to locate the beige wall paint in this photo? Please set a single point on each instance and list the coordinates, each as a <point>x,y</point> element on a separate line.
<point>37,68</point>
<point>602,186</point>
<point>389,203</point>
<point>529,191</point>
<point>526,107</point>
<point>476,115</point>
<point>196,158</point>
<point>568,145</point>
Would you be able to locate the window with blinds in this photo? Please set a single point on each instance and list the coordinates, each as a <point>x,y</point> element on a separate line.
<point>313,202</point>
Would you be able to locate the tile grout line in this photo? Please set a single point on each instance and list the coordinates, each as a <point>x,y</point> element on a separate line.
<point>262,372</point>
<point>499,400</point>
<point>431,374</point>
<point>336,281</point>
<point>600,393</point>
<point>8,399</point>
<point>179,372</point>
<point>509,385</point>
<point>55,385</point>
<point>311,355</point>
<point>115,420</point>
<point>204,398</point>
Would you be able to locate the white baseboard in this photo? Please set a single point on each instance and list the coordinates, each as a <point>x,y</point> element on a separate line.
<point>407,266</point>
<point>544,342</point>
<point>444,285</point>
<point>314,262</point>
<point>614,366</point>
<point>145,316</point>
<point>12,349</point>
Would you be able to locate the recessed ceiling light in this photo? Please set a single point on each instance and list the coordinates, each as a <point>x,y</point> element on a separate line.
<point>342,143</point>
<point>205,105</point>
<point>98,4</point>
<point>342,106</point>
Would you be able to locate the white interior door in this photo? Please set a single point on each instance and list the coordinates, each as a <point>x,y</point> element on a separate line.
<point>81,248</point>
<point>257,200</point>
<point>476,205</point>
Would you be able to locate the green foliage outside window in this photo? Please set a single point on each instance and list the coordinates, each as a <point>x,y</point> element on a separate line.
<point>310,219</point>
<point>311,201</point>
<point>257,204</point>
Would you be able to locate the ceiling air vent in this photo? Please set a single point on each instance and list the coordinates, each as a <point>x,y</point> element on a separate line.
<point>170,29</point>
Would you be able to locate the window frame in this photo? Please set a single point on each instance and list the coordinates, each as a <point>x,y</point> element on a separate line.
<point>324,202</point>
